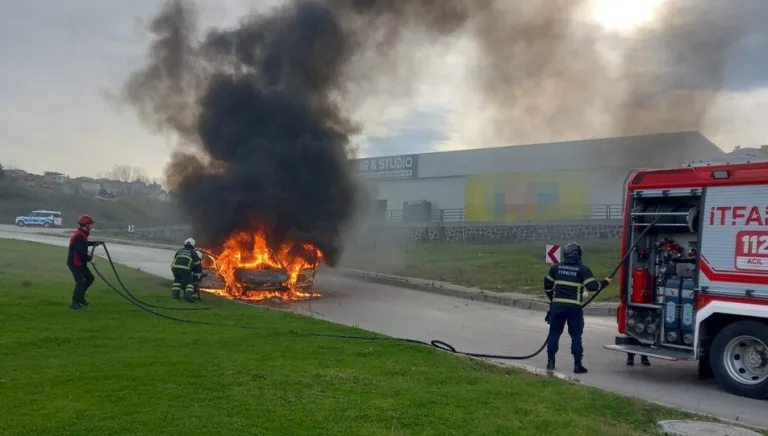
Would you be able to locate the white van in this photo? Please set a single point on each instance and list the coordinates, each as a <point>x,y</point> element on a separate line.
<point>41,218</point>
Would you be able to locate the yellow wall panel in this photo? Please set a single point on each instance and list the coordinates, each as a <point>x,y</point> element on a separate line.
<point>528,196</point>
<point>475,204</point>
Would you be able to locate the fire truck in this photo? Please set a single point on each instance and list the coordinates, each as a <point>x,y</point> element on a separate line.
<point>695,287</point>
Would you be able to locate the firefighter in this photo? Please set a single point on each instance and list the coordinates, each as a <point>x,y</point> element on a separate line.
<point>643,360</point>
<point>566,286</point>
<point>187,270</point>
<point>77,261</point>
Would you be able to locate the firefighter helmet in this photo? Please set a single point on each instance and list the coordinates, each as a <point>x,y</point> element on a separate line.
<point>572,250</point>
<point>84,220</point>
<point>189,241</point>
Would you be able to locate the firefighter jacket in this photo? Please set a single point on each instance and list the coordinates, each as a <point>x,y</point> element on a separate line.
<point>570,282</point>
<point>187,259</point>
<point>78,249</point>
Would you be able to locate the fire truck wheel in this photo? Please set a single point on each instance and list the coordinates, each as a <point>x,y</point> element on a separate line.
<point>739,359</point>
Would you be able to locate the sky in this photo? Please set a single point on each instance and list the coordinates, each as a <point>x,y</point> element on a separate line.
<point>59,59</point>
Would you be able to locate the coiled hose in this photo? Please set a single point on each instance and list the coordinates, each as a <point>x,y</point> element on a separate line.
<point>433,343</point>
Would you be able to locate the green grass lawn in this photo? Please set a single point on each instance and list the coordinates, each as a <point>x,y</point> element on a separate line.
<point>114,369</point>
<point>514,267</point>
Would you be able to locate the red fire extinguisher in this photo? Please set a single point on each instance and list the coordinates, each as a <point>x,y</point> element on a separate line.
<point>641,286</point>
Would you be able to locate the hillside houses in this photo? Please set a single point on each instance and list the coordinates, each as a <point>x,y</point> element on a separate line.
<point>115,188</point>
<point>55,178</point>
<point>102,187</point>
<point>21,177</point>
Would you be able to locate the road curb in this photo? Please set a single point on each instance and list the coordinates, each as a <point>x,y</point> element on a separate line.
<point>534,370</point>
<point>512,299</point>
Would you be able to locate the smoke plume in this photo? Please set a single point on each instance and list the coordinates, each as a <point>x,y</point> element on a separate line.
<point>544,73</point>
<point>260,111</point>
<point>675,69</point>
<point>263,109</point>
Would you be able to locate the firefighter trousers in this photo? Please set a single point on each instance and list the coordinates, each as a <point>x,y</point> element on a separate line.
<point>183,281</point>
<point>572,315</point>
<point>83,280</point>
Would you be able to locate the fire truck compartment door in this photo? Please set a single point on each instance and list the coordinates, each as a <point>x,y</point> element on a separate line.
<point>734,241</point>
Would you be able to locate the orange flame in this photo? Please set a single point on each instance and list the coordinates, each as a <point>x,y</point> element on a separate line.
<point>250,251</point>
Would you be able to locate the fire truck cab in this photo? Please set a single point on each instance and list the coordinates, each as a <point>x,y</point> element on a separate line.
<point>695,288</point>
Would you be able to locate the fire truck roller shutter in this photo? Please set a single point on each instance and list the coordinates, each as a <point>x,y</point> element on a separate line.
<point>690,221</point>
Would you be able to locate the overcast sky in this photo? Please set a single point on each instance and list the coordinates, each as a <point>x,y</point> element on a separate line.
<point>57,57</point>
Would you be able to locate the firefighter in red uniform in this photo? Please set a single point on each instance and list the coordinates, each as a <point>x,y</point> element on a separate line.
<point>77,261</point>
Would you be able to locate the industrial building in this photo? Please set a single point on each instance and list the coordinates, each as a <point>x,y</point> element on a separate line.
<point>564,181</point>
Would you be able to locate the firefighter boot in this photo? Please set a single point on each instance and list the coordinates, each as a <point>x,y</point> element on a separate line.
<point>630,359</point>
<point>644,361</point>
<point>578,368</point>
<point>175,290</point>
<point>189,293</point>
<point>551,362</point>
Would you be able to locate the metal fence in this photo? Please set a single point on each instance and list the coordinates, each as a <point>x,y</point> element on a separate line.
<point>597,212</point>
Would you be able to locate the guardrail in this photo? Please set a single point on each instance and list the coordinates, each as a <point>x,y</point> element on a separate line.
<point>597,212</point>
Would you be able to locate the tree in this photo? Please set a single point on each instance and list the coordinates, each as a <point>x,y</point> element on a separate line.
<point>2,172</point>
<point>121,173</point>
<point>128,174</point>
<point>139,175</point>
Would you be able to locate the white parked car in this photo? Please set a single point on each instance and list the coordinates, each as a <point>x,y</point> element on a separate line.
<point>40,218</point>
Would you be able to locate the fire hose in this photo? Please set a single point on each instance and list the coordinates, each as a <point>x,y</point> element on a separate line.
<point>122,285</point>
<point>433,343</point>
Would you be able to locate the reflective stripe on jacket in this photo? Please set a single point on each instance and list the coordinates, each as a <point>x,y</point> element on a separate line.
<point>187,259</point>
<point>569,282</point>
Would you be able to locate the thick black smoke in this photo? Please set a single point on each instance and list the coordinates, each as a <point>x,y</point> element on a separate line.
<point>269,144</point>
<point>260,109</point>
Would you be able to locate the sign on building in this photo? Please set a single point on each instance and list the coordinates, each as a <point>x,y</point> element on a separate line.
<point>389,167</point>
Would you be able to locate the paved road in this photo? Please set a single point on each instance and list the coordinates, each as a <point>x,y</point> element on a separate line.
<point>484,328</point>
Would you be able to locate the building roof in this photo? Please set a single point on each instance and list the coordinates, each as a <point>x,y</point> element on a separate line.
<point>643,151</point>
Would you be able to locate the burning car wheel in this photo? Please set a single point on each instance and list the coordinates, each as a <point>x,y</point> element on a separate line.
<point>739,359</point>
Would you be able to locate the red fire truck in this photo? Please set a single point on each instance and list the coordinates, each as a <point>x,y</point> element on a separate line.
<point>695,287</point>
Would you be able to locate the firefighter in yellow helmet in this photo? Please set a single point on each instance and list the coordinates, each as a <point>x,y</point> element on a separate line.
<point>187,268</point>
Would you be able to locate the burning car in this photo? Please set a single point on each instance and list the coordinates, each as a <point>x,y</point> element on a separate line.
<point>248,268</point>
